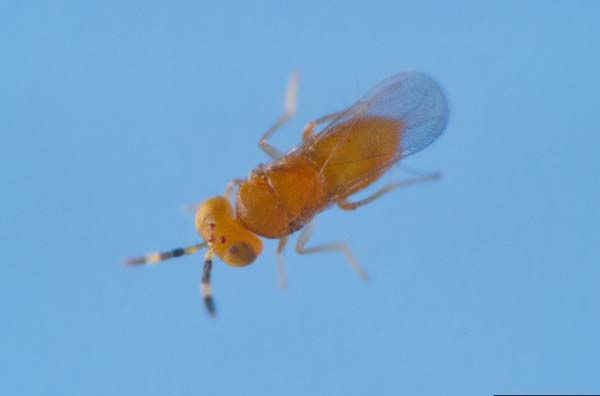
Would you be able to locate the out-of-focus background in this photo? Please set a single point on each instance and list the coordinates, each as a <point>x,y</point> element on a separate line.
<point>116,115</point>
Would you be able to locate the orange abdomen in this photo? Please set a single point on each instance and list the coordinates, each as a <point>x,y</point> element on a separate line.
<point>282,197</point>
<point>354,154</point>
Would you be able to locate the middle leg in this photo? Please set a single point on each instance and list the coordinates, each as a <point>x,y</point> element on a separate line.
<point>340,247</point>
<point>280,265</point>
<point>309,128</point>
<point>289,109</point>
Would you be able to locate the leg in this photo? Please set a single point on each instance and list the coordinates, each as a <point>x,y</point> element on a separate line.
<point>191,209</point>
<point>288,111</point>
<point>280,266</point>
<point>154,258</point>
<point>205,287</point>
<point>345,205</point>
<point>308,130</point>
<point>330,247</point>
<point>231,185</point>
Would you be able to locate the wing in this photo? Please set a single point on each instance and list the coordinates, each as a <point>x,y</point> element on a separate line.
<point>412,99</point>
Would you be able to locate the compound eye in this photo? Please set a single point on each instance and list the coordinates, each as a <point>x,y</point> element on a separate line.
<point>240,254</point>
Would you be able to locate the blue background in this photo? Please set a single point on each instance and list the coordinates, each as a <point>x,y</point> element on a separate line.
<point>116,115</point>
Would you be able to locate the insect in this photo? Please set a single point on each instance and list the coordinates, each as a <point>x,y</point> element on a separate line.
<point>400,116</point>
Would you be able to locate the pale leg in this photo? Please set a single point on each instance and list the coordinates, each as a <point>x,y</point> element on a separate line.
<point>193,208</point>
<point>280,265</point>
<point>309,128</point>
<point>330,247</point>
<point>289,109</point>
<point>231,185</point>
<point>345,205</point>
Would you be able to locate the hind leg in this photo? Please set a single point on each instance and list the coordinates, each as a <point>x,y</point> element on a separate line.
<point>345,205</point>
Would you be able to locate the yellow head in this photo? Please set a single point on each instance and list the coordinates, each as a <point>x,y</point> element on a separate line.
<point>227,238</point>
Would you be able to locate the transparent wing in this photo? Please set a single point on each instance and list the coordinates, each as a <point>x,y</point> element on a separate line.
<point>412,98</point>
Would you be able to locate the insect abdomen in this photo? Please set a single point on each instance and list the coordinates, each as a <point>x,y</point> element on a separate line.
<point>354,154</point>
